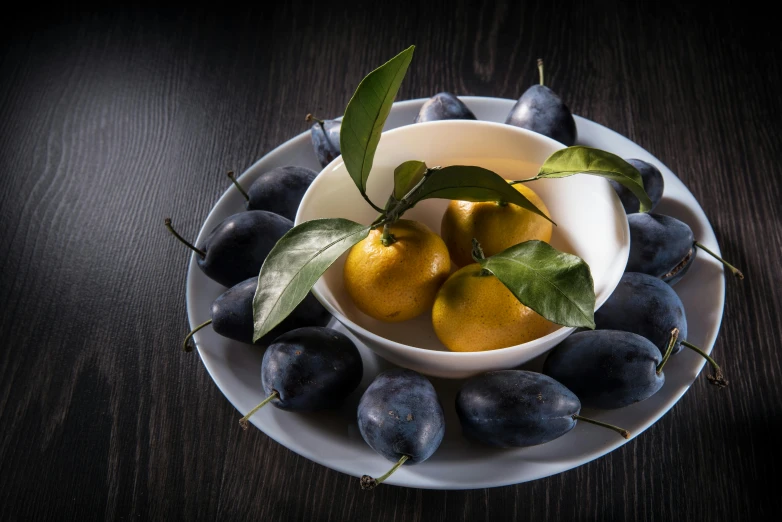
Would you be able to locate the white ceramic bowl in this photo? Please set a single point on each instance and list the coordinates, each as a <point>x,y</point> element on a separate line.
<point>591,224</point>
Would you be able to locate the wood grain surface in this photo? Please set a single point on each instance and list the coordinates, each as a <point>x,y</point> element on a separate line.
<point>112,119</point>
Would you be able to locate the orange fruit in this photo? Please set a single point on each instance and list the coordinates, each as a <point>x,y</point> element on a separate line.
<point>474,312</point>
<point>400,281</point>
<point>496,226</point>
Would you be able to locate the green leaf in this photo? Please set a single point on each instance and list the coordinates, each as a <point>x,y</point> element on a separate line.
<point>294,265</point>
<point>406,176</point>
<point>556,285</point>
<point>366,114</point>
<point>468,183</point>
<point>586,160</point>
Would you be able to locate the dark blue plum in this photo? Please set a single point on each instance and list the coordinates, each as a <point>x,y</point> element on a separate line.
<point>280,190</point>
<point>515,408</point>
<point>542,110</point>
<point>646,306</point>
<point>660,246</point>
<point>400,415</point>
<point>653,185</point>
<point>311,369</point>
<point>606,369</point>
<point>665,247</point>
<point>444,106</point>
<point>236,248</point>
<point>232,314</point>
<point>325,140</point>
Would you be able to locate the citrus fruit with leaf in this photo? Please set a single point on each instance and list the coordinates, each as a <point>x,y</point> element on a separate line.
<point>396,278</point>
<point>394,274</point>
<point>496,225</point>
<point>475,312</point>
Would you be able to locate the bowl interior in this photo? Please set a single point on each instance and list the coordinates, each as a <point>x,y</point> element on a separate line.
<point>590,220</point>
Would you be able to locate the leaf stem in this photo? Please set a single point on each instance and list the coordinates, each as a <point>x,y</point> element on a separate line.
<point>243,422</point>
<point>478,256</point>
<point>396,208</point>
<point>381,220</point>
<point>621,431</point>
<point>421,181</point>
<point>186,344</point>
<point>198,251</point>
<point>233,178</point>
<point>717,379</point>
<point>477,251</point>
<point>370,202</point>
<point>540,69</point>
<point>368,482</point>
<point>736,271</point>
<point>515,182</point>
<point>668,350</point>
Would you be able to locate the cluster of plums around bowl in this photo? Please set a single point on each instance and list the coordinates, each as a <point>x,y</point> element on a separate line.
<point>308,367</point>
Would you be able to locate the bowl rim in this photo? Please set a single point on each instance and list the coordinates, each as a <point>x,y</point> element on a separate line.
<point>448,354</point>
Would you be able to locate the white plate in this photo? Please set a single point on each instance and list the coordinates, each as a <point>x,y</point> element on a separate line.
<point>332,438</point>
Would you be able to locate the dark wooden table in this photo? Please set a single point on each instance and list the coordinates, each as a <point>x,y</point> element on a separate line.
<point>112,120</point>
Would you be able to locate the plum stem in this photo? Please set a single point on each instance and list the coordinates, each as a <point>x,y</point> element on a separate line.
<point>668,350</point>
<point>243,422</point>
<point>623,432</point>
<point>387,238</point>
<point>170,228</point>
<point>540,69</point>
<point>233,178</point>
<point>368,482</point>
<point>717,379</point>
<point>310,118</point>
<point>736,271</point>
<point>186,343</point>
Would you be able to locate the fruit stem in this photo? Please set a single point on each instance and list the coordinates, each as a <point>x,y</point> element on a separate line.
<point>368,482</point>
<point>388,238</point>
<point>623,432</point>
<point>540,69</point>
<point>311,118</point>
<point>186,344</point>
<point>183,240</point>
<point>668,350</point>
<point>717,379</point>
<point>243,422</point>
<point>736,271</point>
<point>233,178</point>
